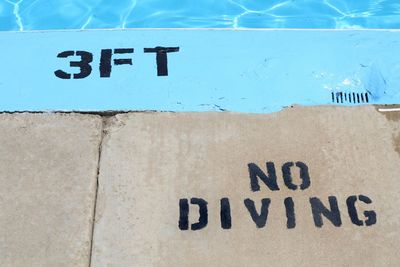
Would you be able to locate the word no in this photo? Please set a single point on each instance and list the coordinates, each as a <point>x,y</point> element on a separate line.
<point>107,61</point>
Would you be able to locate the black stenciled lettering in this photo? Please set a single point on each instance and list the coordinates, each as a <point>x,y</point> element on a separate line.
<point>105,60</point>
<point>351,208</point>
<point>183,214</point>
<point>161,58</point>
<point>105,63</point>
<point>225,214</point>
<point>259,219</point>
<point>123,61</point>
<point>62,74</point>
<point>255,172</point>
<point>83,64</point>
<point>203,218</point>
<point>304,175</point>
<point>290,215</point>
<point>332,214</point>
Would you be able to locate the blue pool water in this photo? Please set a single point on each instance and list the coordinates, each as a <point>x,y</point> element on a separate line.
<point>94,14</point>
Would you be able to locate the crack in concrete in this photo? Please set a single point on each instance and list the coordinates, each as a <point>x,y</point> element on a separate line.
<point>111,113</point>
<point>105,113</point>
<point>100,148</point>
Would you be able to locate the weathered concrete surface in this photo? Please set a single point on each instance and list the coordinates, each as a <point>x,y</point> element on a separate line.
<point>48,169</point>
<point>151,161</point>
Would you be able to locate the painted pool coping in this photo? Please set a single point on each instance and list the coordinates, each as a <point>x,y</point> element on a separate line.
<point>239,70</point>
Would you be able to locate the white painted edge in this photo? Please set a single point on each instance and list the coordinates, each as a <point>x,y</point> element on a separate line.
<point>388,109</point>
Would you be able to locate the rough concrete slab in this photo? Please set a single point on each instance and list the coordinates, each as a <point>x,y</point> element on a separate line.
<point>151,162</point>
<point>48,169</point>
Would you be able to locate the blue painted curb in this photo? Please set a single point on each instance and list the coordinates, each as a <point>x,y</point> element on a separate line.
<point>256,71</point>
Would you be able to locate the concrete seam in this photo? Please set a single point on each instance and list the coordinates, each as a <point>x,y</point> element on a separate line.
<point>103,133</point>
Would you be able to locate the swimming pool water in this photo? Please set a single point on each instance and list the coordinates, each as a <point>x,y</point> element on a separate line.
<point>94,14</point>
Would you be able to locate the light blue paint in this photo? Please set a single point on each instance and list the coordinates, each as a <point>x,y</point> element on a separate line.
<point>100,14</point>
<point>257,71</point>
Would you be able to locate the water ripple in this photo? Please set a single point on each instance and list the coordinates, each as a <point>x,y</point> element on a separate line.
<point>93,14</point>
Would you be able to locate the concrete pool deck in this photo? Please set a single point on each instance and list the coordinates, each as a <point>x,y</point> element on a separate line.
<point>127,189</point>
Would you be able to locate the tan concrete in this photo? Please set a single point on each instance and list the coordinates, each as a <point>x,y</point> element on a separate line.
<point>150,161</point>
<point>48,168</point>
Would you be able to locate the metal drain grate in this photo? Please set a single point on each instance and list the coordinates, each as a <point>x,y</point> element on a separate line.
<point>352,98</point>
